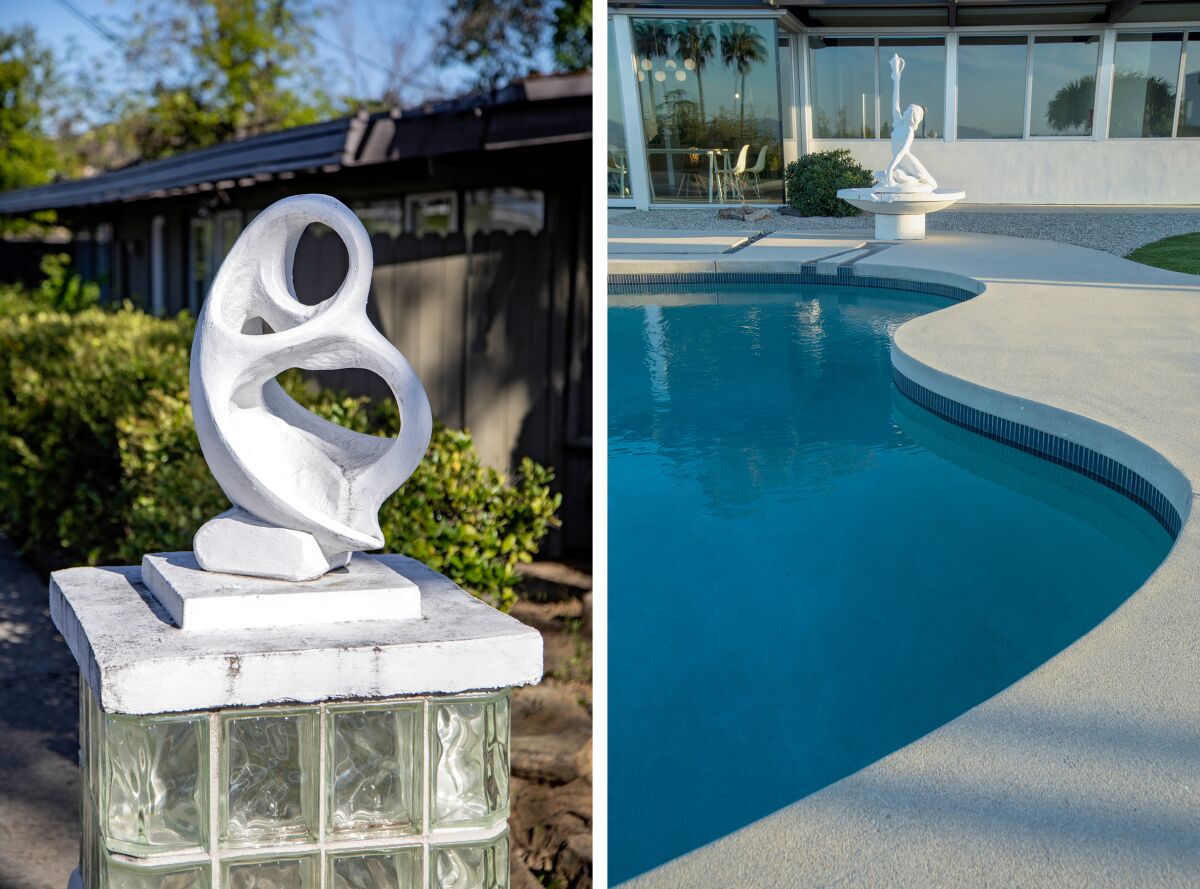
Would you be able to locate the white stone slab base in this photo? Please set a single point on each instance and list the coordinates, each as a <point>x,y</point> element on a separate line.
<point>137,661</point>
<point>899,228</point>
<point>196,599</point>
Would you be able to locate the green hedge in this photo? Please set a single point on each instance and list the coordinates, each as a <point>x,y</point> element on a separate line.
<point>813,182</point>
<point>99,461</point>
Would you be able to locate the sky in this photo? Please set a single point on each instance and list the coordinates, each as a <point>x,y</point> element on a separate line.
<point>368,27</point>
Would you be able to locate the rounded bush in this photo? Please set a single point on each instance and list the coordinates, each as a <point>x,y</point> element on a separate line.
<point>813,182</point>
<point>99,460</point>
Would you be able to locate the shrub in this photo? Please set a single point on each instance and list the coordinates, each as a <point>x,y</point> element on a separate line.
<point>99,460</point>
<point>813,182</point>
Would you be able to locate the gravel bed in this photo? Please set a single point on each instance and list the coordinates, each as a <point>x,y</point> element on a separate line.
<point>1114,231</point>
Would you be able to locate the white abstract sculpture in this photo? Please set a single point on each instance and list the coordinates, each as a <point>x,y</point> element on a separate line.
<point>904,191</point>
<point>306,492</point>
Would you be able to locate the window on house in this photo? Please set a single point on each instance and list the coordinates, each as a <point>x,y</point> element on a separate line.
<point>505,210</point>
<point>787,90</point>
<point>842,87</point>
<point>1146,67</point>
<point>435,213</point>
<point>852,83</point>
<point>200,260</point>
<point>618,151</point>
<point>381,217</point>
<point>922,83</point>
<point>1189,106</point>
<point>709,96</point>
<point>227,226</point>
<point>991,86</point>
<point>1063,101</point>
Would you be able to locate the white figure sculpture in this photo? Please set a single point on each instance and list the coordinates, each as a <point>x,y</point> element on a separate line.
<point>306,492</point>
<point>905,172</point>
<point>905,191</point>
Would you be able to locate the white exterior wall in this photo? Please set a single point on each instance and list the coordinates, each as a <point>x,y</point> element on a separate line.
<point>1075,171</point>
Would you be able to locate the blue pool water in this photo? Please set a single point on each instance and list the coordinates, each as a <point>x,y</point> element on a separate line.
<point>808,571</point>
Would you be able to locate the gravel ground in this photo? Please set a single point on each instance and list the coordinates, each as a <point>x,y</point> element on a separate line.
<point>1115,231</point>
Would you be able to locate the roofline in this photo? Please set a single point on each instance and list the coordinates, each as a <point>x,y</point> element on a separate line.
<point>564,101</point>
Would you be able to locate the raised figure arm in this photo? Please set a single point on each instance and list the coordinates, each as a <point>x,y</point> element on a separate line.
<point>897,68</point>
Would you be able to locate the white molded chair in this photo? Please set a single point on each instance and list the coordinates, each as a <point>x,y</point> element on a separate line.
<point>755,171</point>
<point>731,184</point>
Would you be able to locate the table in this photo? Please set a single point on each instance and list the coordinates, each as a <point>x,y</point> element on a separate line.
<point>712,153</point>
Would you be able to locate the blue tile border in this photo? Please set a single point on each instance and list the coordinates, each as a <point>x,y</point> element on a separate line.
<point>845,277</point>
<point>1050,447</point>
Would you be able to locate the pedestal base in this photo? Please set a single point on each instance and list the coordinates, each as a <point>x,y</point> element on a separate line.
<point>899,228</point>
<point>236,542</point>
<point>196,599</point>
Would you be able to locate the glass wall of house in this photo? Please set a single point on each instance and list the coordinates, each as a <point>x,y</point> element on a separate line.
<point>619,184</point>
<point>709,97</point>
<point>1189,105</point>
<point>1146,68</point>
<point>851,86</point>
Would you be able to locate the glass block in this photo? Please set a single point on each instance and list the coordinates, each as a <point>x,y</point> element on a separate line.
<point>155,794</point>
<point>269,776</point>
<point>176,876</point>
<point>91,738</point>
<point>470,865</point>
<point>393,869</point>
<point>374,769</point>
<point>469,748</point>
<point>276,872</point>
<point>91,855</point>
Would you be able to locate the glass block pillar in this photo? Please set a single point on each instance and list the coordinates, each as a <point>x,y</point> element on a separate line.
<point>356,755</point>
<point>403,793</point>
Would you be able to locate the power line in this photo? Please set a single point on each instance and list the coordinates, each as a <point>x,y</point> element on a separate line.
<point>97,26</point>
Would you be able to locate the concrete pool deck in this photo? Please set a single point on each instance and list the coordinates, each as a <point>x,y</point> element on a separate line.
<point>1086,772</point>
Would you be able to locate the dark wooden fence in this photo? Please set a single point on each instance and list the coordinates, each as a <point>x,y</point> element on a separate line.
<point>499,329</point>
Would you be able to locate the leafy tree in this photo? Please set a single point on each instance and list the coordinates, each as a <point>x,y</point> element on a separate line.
<point>27,152</point>
<point>573,35</point>
<point>502,39</point>
<point>696,41</point>
<point>742,47</point>
<point>498,38</point>
<point>247,71</point>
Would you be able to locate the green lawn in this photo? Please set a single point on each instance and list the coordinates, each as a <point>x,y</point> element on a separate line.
<point>1180,253</point>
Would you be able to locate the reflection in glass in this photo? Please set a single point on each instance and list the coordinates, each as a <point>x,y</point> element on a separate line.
<point>786,86</point>
<point>1189,107</point>
<point>991,87</point>
<point>842,87</point>
<point>1064,85</point>
<point>922,83</point>
<point>618,156</point>
<point>1143,102</point>
<point>709,94</point>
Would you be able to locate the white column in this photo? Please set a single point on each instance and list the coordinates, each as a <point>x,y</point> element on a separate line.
<point>639,174</point>
<point>1104,83</point>
<point>805,119</point>
<point>951,87</point>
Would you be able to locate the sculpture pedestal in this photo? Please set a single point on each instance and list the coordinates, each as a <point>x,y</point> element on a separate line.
<point>327,754</point>
<point>899,228</point>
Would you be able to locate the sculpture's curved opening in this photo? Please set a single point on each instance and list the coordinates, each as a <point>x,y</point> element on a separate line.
<point>322,249</point>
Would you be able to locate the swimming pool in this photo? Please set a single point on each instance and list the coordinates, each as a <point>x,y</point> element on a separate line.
<point>807,571</point>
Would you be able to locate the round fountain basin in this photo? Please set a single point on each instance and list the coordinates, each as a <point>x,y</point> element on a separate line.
<point>900,215</point>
